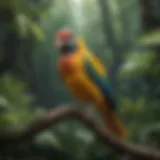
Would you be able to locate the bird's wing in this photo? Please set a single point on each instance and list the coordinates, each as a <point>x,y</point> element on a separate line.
<point>101,81</point>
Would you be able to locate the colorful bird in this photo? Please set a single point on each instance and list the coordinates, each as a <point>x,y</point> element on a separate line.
<point>87,78</point>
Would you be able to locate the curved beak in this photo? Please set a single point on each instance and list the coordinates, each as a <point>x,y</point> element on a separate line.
<point>65,47</point>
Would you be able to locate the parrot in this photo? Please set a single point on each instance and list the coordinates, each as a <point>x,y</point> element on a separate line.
<point>87,78</point>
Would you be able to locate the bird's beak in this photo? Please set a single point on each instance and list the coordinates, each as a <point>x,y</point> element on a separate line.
<point>62,46</point>
<point>65,47</point>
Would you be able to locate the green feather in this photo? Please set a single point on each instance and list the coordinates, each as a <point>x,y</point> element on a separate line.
<point>102,82</point>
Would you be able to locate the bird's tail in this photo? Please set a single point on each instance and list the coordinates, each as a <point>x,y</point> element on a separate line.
<point>113,122</point>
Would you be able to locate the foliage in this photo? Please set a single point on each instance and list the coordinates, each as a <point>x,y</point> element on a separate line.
<point>137,63</point>
<point>16,111</point>
<point>151,38</point>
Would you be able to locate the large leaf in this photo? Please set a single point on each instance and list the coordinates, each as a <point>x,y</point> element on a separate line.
<point>150,39</point>
<point>137,63</point>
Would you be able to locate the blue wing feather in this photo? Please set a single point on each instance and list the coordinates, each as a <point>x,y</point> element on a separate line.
<point>102,83</point>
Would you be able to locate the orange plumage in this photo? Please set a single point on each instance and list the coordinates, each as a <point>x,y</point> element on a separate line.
<point>73,71</point>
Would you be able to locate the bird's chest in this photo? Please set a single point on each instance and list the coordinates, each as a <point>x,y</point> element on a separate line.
<point>74,76</point>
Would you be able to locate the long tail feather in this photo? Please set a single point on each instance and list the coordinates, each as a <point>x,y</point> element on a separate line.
<point>113,122</point>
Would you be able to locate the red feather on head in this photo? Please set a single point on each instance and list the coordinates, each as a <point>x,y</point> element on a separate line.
<point>64,34</point>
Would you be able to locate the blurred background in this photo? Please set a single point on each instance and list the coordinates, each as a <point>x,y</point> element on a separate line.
<point>124,34</point>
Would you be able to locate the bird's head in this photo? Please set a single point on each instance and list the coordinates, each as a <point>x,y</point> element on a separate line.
<point>66,41</point>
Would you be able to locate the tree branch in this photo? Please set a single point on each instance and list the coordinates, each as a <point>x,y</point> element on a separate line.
<point>70,111</point>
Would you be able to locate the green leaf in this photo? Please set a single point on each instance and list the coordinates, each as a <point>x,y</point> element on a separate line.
<point>150,39</point>
<point>23,24</point>
<point>37,31</point>
<point>47,138</point>
<point>137,63</point>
